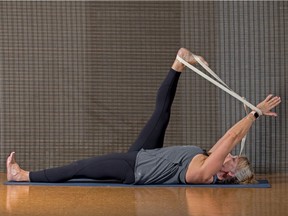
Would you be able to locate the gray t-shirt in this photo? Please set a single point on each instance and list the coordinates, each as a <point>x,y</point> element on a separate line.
<point>164,165</point>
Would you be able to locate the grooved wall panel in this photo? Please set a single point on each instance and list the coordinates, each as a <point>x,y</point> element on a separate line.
<point>246,45</point>
<point>79,78</point>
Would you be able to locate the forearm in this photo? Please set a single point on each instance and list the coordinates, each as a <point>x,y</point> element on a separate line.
<point>241,128</point>
<point>237,132</point>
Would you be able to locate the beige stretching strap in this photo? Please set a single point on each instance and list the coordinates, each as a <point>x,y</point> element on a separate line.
<point>222,85</point>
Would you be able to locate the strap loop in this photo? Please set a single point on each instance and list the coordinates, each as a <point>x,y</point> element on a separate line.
<point>222,85</point>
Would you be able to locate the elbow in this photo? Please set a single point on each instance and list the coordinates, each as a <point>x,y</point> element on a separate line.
<point>207,178</point>
<point>203,178</point>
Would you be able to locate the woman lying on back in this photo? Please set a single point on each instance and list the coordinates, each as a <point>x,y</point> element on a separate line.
<point>148,162</point>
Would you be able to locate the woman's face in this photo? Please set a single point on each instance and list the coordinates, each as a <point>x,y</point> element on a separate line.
<point>229,167</point>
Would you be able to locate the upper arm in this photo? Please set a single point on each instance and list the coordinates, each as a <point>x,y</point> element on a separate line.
<point>194,173</point>
<point>203,168</point>
<point>223,147</point>
<point>214,162</point>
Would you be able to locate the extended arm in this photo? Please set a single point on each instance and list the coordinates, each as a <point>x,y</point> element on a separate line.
<point>241,128</point>
<point>233,136</point>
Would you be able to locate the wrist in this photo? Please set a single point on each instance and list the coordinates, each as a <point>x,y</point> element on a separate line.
<point>254,115</point>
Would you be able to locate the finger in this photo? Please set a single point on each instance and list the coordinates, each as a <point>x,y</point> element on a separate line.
<point>274,102</point>
<point>271,114</point>
<point>276,98</point>
<point>268,97</point>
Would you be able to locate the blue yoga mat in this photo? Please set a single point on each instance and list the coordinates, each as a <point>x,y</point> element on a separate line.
<point>94,183</point>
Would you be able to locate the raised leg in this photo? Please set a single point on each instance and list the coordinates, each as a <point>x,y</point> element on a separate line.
<point>152,135</point>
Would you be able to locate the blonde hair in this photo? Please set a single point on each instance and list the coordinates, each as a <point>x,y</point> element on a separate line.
<point>244,172</point>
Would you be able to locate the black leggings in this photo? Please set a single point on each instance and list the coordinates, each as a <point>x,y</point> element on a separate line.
<point>120,166</point>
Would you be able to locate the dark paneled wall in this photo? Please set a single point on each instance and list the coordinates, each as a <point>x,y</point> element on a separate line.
<point>79,78</point>
<point>246,44</point>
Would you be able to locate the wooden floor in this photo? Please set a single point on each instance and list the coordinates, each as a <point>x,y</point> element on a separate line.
<point>38,200</point>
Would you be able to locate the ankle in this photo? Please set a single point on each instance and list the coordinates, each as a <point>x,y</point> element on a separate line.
<point>25,176</point>
<point>178,66</point>
<point>185,55</point>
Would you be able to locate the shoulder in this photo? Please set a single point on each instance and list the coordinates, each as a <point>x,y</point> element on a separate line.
<point>198,160</point>
<point>195,172</point>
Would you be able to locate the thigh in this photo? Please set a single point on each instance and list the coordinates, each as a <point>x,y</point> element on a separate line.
<point>117,166</point>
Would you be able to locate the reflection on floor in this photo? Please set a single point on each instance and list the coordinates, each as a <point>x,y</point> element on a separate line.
<point>38,200</point>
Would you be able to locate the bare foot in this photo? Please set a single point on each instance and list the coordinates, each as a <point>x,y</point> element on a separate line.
<point>14,172</point>
<point>188,57</point>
